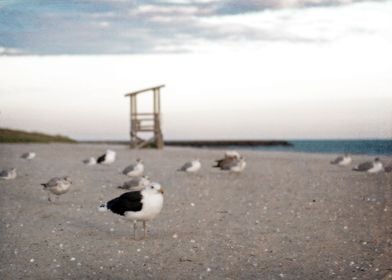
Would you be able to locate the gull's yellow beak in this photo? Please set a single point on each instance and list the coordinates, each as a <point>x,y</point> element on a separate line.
<point>161,190</point>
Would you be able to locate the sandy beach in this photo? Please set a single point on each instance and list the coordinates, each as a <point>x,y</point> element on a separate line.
<point>287,216</point>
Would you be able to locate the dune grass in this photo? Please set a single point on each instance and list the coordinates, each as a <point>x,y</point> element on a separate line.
<point>19,136</point>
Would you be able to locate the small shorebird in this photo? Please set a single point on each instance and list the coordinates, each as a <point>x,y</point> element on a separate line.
<point>191,166</point>
<point>236,166</point>
<point>57,186</point>
<point>374,166</point>
<point>90,161</point>
<point>8,174</point>
<point>134,170</point>
<point>342,160</point>
<point>224,163</point>
<point>29,155</point>
<point>230,157</point>
<point>108,158</point>
<point>137,206</point>
<point>136,184</point>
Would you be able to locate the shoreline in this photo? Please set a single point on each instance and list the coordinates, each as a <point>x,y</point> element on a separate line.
<point>268,149</point>
<point>202,143</point>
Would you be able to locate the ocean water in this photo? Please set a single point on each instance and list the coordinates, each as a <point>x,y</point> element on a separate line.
<point>368,147</point>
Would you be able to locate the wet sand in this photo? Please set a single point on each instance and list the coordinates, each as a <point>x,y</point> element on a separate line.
<point>287,216</point>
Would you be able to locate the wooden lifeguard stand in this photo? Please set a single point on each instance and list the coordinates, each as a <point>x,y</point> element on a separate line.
<point>146,122</point>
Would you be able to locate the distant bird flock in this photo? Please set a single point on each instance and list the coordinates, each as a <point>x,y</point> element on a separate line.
<point>374,166</point>
<point>143,200</point>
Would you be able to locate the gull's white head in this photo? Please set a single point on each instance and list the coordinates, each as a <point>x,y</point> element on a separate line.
<point>30,155</point>
<point>155,188</point>
<point>110,156</point>
<point>102,207</point>
<point>110,152</point>
<point>66,178</point>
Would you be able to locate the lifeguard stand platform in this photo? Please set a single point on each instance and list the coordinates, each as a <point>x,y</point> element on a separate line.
<point>146,121</point>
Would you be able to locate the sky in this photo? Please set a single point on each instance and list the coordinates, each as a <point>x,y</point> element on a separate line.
<point>284,69</point>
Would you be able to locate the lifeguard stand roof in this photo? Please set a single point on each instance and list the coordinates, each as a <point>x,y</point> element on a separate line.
<point>143,90</point>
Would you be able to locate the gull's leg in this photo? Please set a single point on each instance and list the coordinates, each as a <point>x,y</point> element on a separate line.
<point>49,199</point>
<point>134,229</point>
<point>145,231</point>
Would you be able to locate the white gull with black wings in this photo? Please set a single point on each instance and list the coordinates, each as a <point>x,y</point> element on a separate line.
<point>142,205</point>
<point>108,158</point>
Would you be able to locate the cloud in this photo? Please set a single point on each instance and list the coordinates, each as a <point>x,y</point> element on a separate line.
<point>151,10</point>
<point>10,51</point>
<point>251,6</point>
<point>104,24</point>
<point>116,26</point>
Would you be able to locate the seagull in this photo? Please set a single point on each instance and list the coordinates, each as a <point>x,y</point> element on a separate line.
<point>232,154</point>
<point>191,166</point>
<point>29,155</point>
<point>108,158</point>
<point>90,161</point>
<point>229,158</point>
<point>374,166</point>
<point>57,186</point>
<point>136,184</point>
<point>8,174</point>
<point>234,165</point>
<point>224,163</point>
<point>134,170</point>
<point>342,160</point>
<point>137,205</point>
<point>237,165</point>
